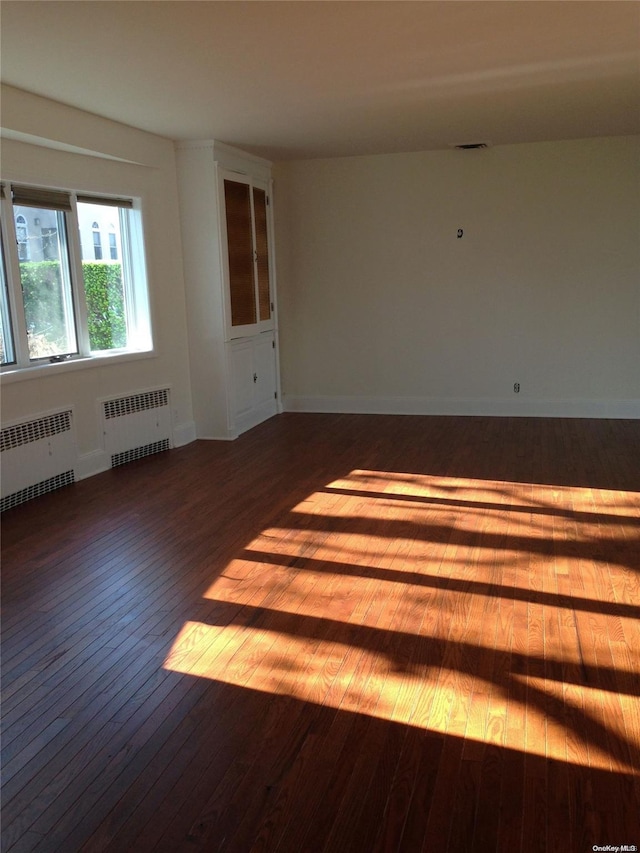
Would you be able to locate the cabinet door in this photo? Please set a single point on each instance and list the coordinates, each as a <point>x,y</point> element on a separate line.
<point>246,256</point>
<point>252,368</point>
<point>242,382</point>
<point>264,365</point>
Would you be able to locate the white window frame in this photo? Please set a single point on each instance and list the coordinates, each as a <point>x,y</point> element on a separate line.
<point>6,318</point>
<point>134,267</point>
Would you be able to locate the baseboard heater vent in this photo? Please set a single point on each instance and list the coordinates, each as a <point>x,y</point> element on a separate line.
<point>136,426</point>
<point>35,491</point>
<point>136,403</point>
<point>25,433</point>
<point>139,453</point>
<point>38,456</point>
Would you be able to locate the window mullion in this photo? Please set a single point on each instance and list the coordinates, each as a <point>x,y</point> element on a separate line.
<point>127,276</point>
<point>14,288</point>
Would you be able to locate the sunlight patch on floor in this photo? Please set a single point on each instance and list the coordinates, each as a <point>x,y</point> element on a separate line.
<point>359,681</point>
<point>455,605</point>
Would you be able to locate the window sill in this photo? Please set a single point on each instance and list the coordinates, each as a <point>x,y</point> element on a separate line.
<point>36,371</point>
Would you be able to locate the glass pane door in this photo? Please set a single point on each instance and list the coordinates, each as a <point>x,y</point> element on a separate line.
<point>240,246</point>
<point>262,253</point>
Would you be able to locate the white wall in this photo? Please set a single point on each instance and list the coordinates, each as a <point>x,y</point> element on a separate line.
<point>75,150</point>
<point>382,308</point>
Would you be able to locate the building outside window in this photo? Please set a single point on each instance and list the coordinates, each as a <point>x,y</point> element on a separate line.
<point>22,237</point>
<point>97,242</point>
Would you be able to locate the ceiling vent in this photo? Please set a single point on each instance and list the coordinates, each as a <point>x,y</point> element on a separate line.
<point>470,146</point>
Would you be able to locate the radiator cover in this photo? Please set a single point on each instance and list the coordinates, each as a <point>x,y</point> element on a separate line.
<point>136,425</point>
<point>38,456</point>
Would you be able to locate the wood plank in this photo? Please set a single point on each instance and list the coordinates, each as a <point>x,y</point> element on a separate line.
<point>338,632</point>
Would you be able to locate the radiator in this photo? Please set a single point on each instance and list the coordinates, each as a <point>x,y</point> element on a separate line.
<point>37,456</point>
<point>137,425</point>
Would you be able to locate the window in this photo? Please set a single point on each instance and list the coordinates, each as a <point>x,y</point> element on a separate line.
<point>69,300</point>
<point>49,243</point>
<point>22,238</point>
<point>97,242</point>
<point>115,302</point>
<point>47,296</point>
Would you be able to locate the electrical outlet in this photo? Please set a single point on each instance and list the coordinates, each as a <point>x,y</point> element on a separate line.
<point>516,387</point>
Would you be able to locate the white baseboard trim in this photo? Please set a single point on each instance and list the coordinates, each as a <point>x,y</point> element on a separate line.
<point>92,463</point>
<point>254,417</point>
<point>229,437</point>
<point>184,434</point>
<point>466,406</point>
<point>97,461</point>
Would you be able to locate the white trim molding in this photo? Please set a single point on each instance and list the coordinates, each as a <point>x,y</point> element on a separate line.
<point>90,464</point>
<point>184,434</point>
<point>623,409</point>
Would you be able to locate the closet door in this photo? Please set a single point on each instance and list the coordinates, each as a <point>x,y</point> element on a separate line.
<point>246,260</point>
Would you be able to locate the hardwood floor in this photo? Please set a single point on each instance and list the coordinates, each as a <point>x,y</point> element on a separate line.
<point>338,633</point>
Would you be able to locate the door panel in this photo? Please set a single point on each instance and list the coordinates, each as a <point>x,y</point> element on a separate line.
<point>262,253</point>
<point>265,370</point>
<point>240,248</point>
<point>242,384</point>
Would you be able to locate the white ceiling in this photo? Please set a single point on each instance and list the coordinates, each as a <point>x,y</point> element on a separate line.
<point>317,79</point>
